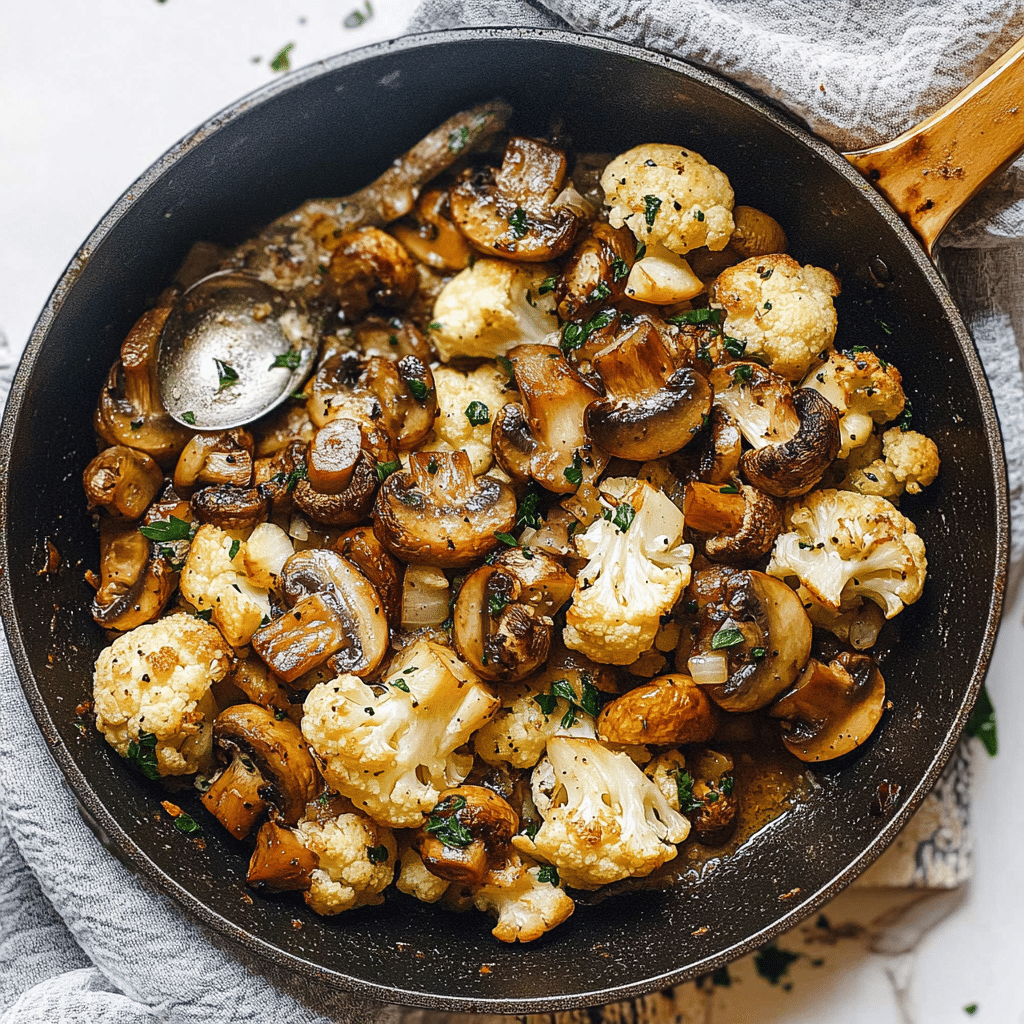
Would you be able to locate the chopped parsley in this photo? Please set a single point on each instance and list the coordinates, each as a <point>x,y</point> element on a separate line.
<point>227,375</point>
<point>507,539</point>
<point>620,269</point>
<point>432,465</point>
<point>602,291</point>
<point>142,754</point>
<point>496,604</point>
<point>445,826</point>
<point>419,389</point>
<point>728,782</point>
<point>742,372</point>
<point>401,684</point>
<point>729,489</point>
<point>575,335</point>
<point>695,317</point>
<point>574,473</point>
<point>767,304</point>
<point>757,653</point>
<point>765,274</point>
<point>165,530</point>
<point>356,18</point>
<point>297,474</point>
<point>548,873</point>
<point>517,223</point>
<point>641,250</point>
<point>904,418</point>
<point>458,139</point>
<point>385,469</point>
<point>698,216</point>
<point>623,517</point>
<point>547,285</point>
<point>477,413</point>
<point>734,346</point>
<point>188,417</point>
<point>282,59</point>
<point>206,615</point>
<point>506,364</point>
<point>377,854</point>
<point>434,325</point>
<point>233,550</point>
<point>287,360</point>
<point>724,638</point>
<point>137,424</point>
<point>651,206</point>
<point>588,702</point>
<point>187,825</point>
<point>684,791</point>
<point>528,513</point>
<point>982,723</point>
<point>971,1009</point>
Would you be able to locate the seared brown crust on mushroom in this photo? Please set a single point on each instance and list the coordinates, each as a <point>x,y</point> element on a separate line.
<point>280,862</point>
<point>369,267</point>
<point>122,481</point>
<point>742,522</point>
<point>350,505</point>
<point>596,271</point>
<point>364,550</point>
<point>437,513</point>
<point>231,508</point>
<point>668,711</point>
<point>714,455</point>
<point>393,337</point>
<point>430,234</point>
<point>714,790</point>
<point>222,458</point>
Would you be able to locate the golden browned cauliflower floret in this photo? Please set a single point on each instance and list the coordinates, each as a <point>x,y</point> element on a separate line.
<point>415,880</point>
<point>864,389</point>
<point>664,772</point>
<point>467,402</point>
<point>491,307</point>
<point>901,460</point>
<point>527,901</point>
<point>155,682</point>
<point>357,862</point>
<point>214,581</point>
<point>784,312</point>
<point>669,194</point>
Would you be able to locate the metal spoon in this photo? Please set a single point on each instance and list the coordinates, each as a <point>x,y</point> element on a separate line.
<point>233,348</point>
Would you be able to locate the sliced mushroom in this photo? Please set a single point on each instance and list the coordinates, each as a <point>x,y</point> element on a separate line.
<point>755,628</point>
<point>714,800</point>
<point>260,686</point>
<point>714,454</point>
<point>365,551</point>
<point>510,213</point>
<point>280,863</point>
<point>501,636</point>
<point>794,433</point>
<point>437,513</point>
<point>251,735</point>
<point>233,797</point>
<point>129,411</point>
<point>756,234</point>
<point>543,439</point>
<point>545,584</point>
<point>831,709</point>
<point>390,338</point>
<point>431,236</point>
<point>222,458</point>
<point>277,476</point>
<point>651,409</point>
<point>468,834</point>
<point>336,613</point>
<point>123,481</point>
<point>743,522</point>
<point>231,508</point>
<point>668,711</point>
<point>596,272</point>
<point>369,267</point>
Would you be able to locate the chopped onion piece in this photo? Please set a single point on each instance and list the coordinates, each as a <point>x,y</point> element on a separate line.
<point>708,669</point>
<point>424,597</point>
<point>865,627</point>
<point>264,554</point>
<point>298,528</point>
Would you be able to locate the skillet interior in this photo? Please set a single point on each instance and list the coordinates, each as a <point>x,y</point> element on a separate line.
<point>325,131</point>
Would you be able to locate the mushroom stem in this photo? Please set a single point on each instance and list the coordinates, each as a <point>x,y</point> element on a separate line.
<point>710,508</point>
<point>280,862</point>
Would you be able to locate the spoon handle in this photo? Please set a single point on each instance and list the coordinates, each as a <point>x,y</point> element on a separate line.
<point>932,170</point>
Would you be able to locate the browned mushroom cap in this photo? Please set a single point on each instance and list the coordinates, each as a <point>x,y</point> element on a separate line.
<point>222,458</point>
<point>122,481</point>
<point>714,801</point>
<point>362,548</point>
<point>545,584</point>
<point>431,236</point>
<point>714,455</point>
<point>651,409</point>
<point>337,613</point>
<point>757,628</point>
<point>332,456</point>
<point>233,797</point>
<point>498,634</point>
<point>278,752</point>
<point>794,433</point>
<point>831,709</point>
<point>231,508</point>
<point>277,476</point>
<point>369,267</point>
<point>280,862</point>
<point>467,834</point>
<point>509,213</point>
<point>390,338</point>
<point>437,513</point>
<point>261,686</point>
<point>129,411</point>
<point>667,711</point>
<point>544,437</point>
<point>743,522</point>
<point>755,234</point>
<point>596,272</point>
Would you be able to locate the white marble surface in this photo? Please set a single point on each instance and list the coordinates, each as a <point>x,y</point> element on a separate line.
<point>91,93</point>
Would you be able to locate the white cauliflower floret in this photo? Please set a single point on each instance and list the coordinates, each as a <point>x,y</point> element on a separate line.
<point>357,862</point>
<point>415,880</point>
<point>664,771</point>
<point>900,460</point>
<point>526,905</point>
<point>481,392</point>
<point>632,578</point>
<point>603,818</point>
<point>864,389</point>
<point>784,312</point>
<point>214,580</point>
<point>671,195</point>
<point>843,545</point>
<point>491,307</point>
<point>519,732</point>
<point>392,753</point>
<point>155,680</point>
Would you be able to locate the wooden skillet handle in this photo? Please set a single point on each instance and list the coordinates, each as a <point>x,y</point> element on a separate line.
<point>931,171</point>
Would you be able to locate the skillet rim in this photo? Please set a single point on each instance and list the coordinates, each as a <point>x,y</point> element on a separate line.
<point>120,843</point>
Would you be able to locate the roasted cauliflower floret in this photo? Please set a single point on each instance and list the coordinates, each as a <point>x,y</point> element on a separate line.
<point>212,580</point>
<point>491,307</point>
<point>393,752</point>
<point>664,771</point>
<point>670,195</point>
<point>865,389</point>
<point>843,545</point>
<point>527,903</point>
<point>636,570</point>
<point>415,880</point>
<point>357,862</point>
<point>467,402</point>
<point>784,312</point>
<point>901,460</point>
<point>155,682</point>
<point>603,818</point>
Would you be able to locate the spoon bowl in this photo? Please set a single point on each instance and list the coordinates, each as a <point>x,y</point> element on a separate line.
<point>233,348</point>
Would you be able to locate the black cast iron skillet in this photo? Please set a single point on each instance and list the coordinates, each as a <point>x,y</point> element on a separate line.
<point>327,130</point>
